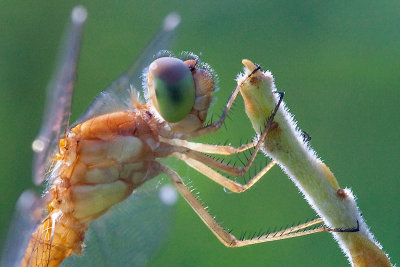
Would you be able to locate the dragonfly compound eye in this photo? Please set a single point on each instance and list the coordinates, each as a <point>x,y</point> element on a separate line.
<point>171,88</point>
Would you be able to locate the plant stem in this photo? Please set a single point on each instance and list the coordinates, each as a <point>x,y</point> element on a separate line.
<point>286,145</point>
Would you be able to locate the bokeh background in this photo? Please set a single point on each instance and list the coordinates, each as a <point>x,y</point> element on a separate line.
<point>338,62</point>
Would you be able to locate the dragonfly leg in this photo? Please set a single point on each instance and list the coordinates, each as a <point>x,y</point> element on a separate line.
<point>201,162</point>
<point>209,148</point>
<point>203,159</point>
<point>205,164</point>
<point>226,237</point>
<point>202,166</point>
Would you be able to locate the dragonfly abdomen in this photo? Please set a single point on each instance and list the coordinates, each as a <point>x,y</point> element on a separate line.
<point>50,245</point>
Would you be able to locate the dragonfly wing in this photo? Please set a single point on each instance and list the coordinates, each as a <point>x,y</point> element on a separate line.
<point>129,233</point>
<point>25,220</point>
<point>117,96</point>
<point>59,97</point>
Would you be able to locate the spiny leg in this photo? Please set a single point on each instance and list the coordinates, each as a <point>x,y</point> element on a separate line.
<point>227,238</point>
<point>201,162</point>
<point>241,170</point>
<point>208,148</point>
<point>219,178</point>
<point>214,163</point>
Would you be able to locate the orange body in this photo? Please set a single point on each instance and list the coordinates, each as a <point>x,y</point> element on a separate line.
<point>99,164</point>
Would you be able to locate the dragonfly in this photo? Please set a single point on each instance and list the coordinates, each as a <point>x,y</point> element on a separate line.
<point>114,148</point>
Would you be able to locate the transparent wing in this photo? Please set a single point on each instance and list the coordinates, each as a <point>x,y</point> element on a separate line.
<point>118,95</point>
<point>142,219</point>
<point>59,96</point>
<point>132,231</point>
<point>26,218</point>
<point>127,235</point>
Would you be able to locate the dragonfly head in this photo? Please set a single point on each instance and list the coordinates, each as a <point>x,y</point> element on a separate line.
<point>180,92</point>
<point>171,88</point>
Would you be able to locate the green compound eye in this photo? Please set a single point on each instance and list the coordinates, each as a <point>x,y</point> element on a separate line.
<point>171,88</point>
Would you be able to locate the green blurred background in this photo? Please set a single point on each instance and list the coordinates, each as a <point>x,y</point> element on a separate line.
<point>338,62</point>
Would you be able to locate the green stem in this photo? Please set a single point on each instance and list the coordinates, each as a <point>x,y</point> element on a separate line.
<point>285,144</point>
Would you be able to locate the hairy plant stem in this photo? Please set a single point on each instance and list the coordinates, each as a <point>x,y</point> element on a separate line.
<point>286,145</point>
